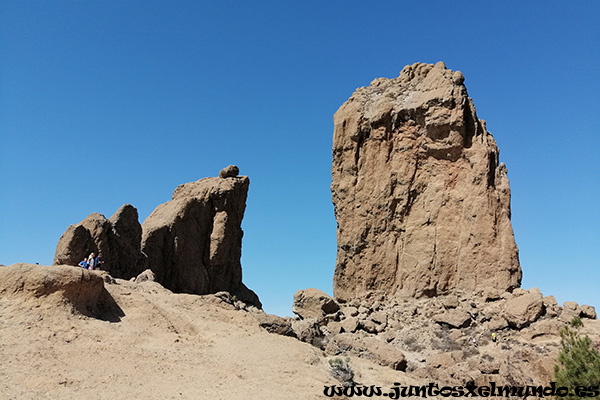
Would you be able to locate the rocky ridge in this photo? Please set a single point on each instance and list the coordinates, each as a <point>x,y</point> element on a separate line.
<point>192,244</point>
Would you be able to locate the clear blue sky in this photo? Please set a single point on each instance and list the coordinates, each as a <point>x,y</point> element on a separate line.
<point>113,102</point>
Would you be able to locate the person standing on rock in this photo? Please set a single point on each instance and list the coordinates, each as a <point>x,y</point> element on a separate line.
<point>494,338</point>
<point>98,261</point>
<point>83,264</point>
<point>91,261</point>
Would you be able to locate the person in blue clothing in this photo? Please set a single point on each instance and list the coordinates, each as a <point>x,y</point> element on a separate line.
<point>83,264</point>
<point>98,261</point>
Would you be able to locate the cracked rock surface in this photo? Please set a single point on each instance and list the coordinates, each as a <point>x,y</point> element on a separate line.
<point>421,200</point>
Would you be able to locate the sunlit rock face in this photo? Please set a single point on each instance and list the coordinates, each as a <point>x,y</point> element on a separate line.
<point>421,201</point>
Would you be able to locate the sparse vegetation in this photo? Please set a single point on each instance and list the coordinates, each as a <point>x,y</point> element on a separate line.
<point>340,370</point>
<point>576,322</point>
<point>578,362</point>
<point>411,344</point>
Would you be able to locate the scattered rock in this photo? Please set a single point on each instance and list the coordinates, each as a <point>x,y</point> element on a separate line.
<point>313,303</point>
<point>450,301</point>
<point>549,301</point>
<point>145,276</point>
<point>275,324</point>
<point>523,310</point>
<point>586,311</point>
<point>570,306</point>
<point>370,348</point>
<point>453,318</point>
<point>309,331</point>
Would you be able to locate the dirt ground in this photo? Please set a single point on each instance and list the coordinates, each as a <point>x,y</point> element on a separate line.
<point>162,346</point>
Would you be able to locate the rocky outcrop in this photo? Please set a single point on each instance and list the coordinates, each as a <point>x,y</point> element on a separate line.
<point>313,303</point>
<point>446,338</point>
<point>421,200</point>
<point>523,310</point>
<point>194,241</point>
<point>368,347</point>
<point>52,286</point>
<point>117,238</point>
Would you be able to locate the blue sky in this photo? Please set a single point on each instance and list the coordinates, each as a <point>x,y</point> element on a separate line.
<point>113,102</point>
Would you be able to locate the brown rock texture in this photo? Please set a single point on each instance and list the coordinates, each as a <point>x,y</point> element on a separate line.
<point>53,286</point>
<point>421,200</point>
<point>523,310</point>
<point>313,303</point>
<point>118,238</point>
<point>194,241</point>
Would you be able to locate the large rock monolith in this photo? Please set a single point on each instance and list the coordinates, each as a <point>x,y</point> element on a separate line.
<point>421,200</point>
<point>194,241</point>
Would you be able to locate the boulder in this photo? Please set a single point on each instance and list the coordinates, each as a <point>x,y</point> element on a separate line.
<point>229,172</point>
<point>586,311</point>
<point>368,347</point>
<point>421,199</point>
<point>313,303</point>
<point>117,238</point>
<point>570,306</point>
<point>275,324</point>
<point>194,241</point>
<point>309,331</point>
<point>523,310</point>
<point>453,318</point>
<point>145,276</point>
<point>442,360</point>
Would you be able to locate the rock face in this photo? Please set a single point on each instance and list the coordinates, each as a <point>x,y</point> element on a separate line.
<point>118,238</point>
<point>194,241</point>
<point>421,200</point>
<point>50,286</point>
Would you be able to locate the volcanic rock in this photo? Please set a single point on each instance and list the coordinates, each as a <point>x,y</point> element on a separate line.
<point>194,241</point>
<point>146,276</point>
<point>421,200</point>
<point>117,238</point>
<point>51,286</point>
<point>313,303</point>
<point>523,310</point>
<point>453,318</point>
<point>275,324</point>
<point>586,311</point>
<point>229,171</point>
<point>368,347</point>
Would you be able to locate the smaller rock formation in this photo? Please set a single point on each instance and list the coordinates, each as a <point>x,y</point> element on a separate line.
<point>275,324</point>
<point>117,238</point>
<point>523,310</point>
<point>229,172</point>
<point>51,286</point>
<point>146,276</point>
<point>313,303</point>
<point>368,347</point>
<point>194,241</point>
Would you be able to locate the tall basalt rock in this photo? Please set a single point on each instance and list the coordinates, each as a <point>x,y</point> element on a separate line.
<point>421,201</point>
<point>194,241</point>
